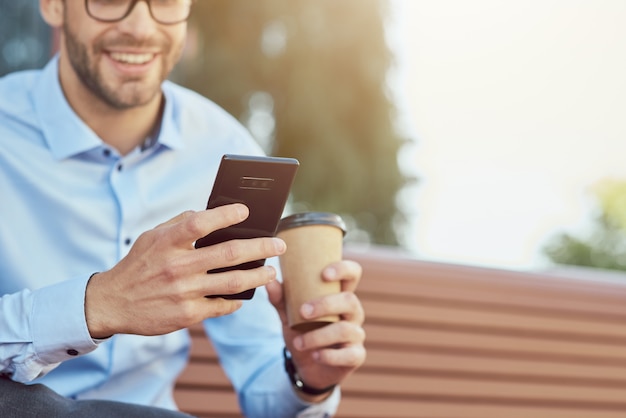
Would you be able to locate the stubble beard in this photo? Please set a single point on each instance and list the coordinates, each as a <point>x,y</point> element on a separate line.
<point>133,92</point>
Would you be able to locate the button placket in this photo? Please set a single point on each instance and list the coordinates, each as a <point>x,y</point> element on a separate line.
<point>124,183</point>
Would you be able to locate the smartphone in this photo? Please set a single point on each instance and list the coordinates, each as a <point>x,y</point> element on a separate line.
<point>263,185</point>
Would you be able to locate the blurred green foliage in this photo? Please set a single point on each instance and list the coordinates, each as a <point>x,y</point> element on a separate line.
<point>309,79</point>
<point>605,245</point>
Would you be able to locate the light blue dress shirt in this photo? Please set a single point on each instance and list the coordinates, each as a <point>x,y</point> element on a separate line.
<point>70,205</point>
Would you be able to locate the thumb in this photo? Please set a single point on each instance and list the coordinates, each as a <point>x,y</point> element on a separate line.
<point>275,293</point>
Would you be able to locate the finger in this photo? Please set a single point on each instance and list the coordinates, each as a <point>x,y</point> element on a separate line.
<point>275,294</point>
<point>238,251</point>
<point>345,304</point>
<point>336,335</point>
<point>176,219</point>
<point>215,307</point>
<point>351,356</point>
<point>234,281</point>
<point>276,297</point>
<point>347,271</point>
<point>195,225</point>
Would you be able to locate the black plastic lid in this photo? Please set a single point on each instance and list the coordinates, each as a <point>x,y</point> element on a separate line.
<point>311,218</point>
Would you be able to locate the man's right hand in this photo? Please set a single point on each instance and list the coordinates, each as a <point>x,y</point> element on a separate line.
<point>160,286</point>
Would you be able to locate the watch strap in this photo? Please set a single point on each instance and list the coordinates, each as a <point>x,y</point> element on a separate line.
<point>297,382</point>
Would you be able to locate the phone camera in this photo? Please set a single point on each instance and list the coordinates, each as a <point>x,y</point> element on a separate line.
<point>256,183</point>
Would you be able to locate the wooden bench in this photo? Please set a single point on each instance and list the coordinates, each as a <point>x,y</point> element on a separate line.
<point>457,341</point>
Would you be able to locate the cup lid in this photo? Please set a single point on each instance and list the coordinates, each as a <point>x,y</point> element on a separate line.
<point>311,218</point>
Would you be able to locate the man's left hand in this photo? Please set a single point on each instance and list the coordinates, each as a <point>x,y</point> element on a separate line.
<point>326,356</point>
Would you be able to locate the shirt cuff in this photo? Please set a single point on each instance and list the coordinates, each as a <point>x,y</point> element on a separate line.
<point>58,322</point>
<point>325,409</point>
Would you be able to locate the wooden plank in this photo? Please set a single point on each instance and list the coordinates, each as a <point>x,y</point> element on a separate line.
<point>530,323</point>
<point>386,267</point>
<point>358,407</point>
<point>501,346</point>
<point>197,330</point>
<point>602,300</point>
<point>501,295</point>
<point>207,403</point>
<point>434,362</point>
<point>208,375</point>
<point>202,349</point>
<point>383,385</point>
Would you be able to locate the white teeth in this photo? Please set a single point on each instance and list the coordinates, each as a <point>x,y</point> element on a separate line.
<point>131,58</point>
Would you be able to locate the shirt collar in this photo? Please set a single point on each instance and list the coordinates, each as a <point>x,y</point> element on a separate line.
<point>67,135</point>
<point>169,133</point>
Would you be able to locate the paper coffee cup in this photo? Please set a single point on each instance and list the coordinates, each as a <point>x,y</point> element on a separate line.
<point>314,240</point>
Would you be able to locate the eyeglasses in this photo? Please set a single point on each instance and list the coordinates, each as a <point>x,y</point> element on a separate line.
<point>166,12</point>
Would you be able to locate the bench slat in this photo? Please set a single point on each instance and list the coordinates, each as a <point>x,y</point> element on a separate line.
<point>204,403</point>
<point>431,362</point>
<point>528,323</point>
<point>356,407</point>
<point>208,375</point>
<point>501,296</point>
<point>502,346</point>
<point>500,390</point>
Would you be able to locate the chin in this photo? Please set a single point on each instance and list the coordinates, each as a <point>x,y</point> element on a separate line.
<point>132,95</point>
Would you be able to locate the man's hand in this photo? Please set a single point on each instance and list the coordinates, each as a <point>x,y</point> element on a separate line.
<point>326,356</point>
<point>160,286</point>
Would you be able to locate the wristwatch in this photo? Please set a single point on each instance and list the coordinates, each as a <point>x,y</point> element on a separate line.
<point>297,382</point>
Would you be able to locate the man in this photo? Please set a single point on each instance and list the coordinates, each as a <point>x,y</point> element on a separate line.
<point>105,167</point>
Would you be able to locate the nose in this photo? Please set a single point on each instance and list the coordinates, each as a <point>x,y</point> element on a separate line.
<point>139,22</point>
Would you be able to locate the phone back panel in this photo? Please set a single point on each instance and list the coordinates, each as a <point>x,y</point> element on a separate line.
<point>263,185</point>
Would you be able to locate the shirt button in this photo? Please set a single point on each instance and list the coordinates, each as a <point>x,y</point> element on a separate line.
<point>119,167</point>
<point>127,241</point>
<point>72,352</point>
<point>107,153</point>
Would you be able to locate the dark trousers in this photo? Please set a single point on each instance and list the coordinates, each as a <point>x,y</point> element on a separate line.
<point>35,401</point>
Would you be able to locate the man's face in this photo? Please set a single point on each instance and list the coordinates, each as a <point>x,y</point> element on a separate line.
<point>124,63</point>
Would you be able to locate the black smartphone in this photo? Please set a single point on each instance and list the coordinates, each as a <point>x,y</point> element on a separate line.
<point>263,185</point>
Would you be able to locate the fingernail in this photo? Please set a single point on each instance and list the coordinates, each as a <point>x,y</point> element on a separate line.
<point>298,342</point>
<point>280,245</point>
<point>307,310</point>
<point>330,273</point>
<point>242,211</point>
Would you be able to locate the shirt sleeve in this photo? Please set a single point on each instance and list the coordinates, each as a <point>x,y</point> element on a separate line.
<point>250,345</point>
<point>40,329</point>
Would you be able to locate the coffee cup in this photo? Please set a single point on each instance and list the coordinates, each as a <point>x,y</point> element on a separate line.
<point>314,240</point>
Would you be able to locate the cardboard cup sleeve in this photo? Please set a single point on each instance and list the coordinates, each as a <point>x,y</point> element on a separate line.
<point>314,240</point>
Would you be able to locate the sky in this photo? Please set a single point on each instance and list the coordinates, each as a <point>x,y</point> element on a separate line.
<point>518,108</point>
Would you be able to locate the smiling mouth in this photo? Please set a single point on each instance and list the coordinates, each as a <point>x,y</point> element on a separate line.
<point>128,58</point>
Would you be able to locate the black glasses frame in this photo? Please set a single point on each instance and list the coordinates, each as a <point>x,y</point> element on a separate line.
<point>131,6</point>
